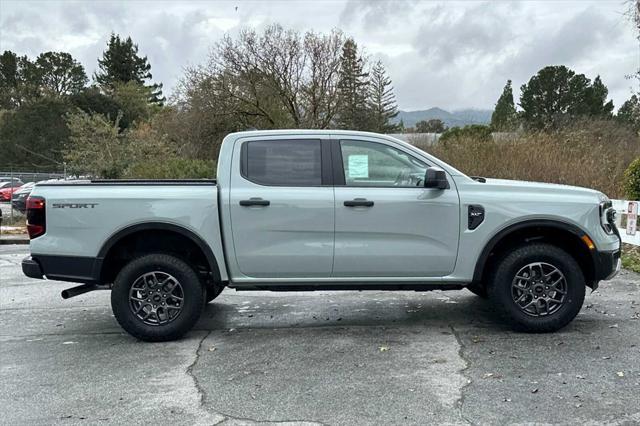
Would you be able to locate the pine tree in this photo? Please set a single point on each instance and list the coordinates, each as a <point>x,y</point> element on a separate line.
<point>596,100</point>
<point>381,101</point>
<point>19,80</point>
<point>556,94</point>
<point>352,89</point>
<point>121,63</point>
<point>629,112</point>
<point>505,117</point>
<point>60,74</point>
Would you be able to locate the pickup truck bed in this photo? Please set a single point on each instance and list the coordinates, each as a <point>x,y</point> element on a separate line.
<point>85,222</point>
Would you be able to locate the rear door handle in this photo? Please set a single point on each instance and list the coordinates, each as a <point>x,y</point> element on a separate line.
<point>254,202</point>
<point>359,202</point>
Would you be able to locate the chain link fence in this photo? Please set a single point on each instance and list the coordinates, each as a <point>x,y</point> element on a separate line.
<point>11,216</point>
<point>26,176</point>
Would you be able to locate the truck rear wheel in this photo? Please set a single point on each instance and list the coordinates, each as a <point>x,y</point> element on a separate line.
<point>157,297</point>
<point>538,287</point>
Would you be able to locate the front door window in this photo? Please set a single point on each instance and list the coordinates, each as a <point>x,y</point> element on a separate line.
<point>378,165</point>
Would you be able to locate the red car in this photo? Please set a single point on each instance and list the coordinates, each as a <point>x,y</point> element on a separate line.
<point>7,189</point>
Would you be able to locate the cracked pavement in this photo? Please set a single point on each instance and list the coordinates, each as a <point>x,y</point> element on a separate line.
<point>316,358</point>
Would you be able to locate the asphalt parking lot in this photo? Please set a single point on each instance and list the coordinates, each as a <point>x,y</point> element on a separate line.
<point>326,357</point>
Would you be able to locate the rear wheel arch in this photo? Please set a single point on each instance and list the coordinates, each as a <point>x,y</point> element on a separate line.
<point>152,237</point>
<point>561,234</point>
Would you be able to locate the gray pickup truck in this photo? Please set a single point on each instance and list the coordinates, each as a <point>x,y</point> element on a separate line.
<point>322,210</point>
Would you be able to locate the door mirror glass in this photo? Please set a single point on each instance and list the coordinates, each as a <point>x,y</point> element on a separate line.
<point>435,177</point>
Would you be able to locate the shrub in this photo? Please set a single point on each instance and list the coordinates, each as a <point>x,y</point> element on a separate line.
<point>593,154</point>
<point>476,132</point>
<point>95,146</point>
<point>172,168</point>
<point>632,180</point>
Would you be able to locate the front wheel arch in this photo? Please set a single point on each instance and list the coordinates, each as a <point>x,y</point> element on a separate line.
<point>563,235</point>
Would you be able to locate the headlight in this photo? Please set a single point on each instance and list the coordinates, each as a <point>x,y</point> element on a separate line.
<point>607,217</point>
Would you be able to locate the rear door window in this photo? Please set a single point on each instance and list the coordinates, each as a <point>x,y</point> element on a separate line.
<point>283,162</point>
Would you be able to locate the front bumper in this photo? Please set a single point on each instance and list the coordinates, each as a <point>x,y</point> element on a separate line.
<point>608,264</point>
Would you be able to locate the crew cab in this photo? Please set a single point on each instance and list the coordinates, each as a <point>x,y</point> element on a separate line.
<point>322,210</point>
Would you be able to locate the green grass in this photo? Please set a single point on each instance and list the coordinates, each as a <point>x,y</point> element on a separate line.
<point>631,257</point>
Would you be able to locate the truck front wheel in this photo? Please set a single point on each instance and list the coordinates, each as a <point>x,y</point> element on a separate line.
<point>538,287</point>
<point>157,297</point>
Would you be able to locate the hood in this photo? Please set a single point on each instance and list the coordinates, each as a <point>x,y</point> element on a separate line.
<point>545,188</point>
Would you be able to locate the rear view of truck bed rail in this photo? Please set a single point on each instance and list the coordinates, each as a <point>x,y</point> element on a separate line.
<point>133,182</point>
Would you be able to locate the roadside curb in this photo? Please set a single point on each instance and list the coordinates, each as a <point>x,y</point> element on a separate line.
<point>11,239</point>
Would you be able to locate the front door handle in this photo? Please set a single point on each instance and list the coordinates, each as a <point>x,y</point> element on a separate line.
<point>359,202</point>
<point>254,202</point>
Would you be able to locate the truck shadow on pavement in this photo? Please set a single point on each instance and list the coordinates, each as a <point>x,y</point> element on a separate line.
<point>351,309</point>
<point>397,357</point>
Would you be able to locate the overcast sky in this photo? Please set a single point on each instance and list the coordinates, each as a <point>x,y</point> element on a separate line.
<point>447,54</point>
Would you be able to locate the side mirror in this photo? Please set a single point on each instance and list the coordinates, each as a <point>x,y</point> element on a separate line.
<point>435,177</point>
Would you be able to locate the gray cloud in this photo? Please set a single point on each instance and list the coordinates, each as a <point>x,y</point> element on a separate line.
<point>448,35</point>
<point>448,54</point>
<point>376,15</point>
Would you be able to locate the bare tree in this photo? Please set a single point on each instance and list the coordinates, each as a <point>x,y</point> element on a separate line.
<point>634,13</point>
<point>320,93</point>
<point>272,79</point>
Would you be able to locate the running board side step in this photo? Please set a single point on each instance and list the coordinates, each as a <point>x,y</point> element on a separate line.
<point>81,289</point>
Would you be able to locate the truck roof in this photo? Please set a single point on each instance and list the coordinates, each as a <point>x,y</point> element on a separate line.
<point>327,132</point>
<point>308,132</point>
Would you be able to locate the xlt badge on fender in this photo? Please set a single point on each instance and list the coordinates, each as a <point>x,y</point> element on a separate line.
<point>476,216</point>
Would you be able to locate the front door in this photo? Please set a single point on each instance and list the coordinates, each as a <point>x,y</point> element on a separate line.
<point>282,207</point>
<point>387,223</point>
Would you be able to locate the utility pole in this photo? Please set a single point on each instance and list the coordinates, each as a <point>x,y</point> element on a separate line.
<point>10,203</point>
<point>38,154</point>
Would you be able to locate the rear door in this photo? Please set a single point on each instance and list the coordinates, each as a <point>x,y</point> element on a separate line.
<point>387,223</point>
<point>282,207</point>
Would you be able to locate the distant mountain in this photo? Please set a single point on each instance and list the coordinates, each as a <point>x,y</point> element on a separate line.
<point>456,118</point>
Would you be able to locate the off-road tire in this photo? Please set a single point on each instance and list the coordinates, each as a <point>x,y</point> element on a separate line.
<point>192,304</point>
<point>500,287</point>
